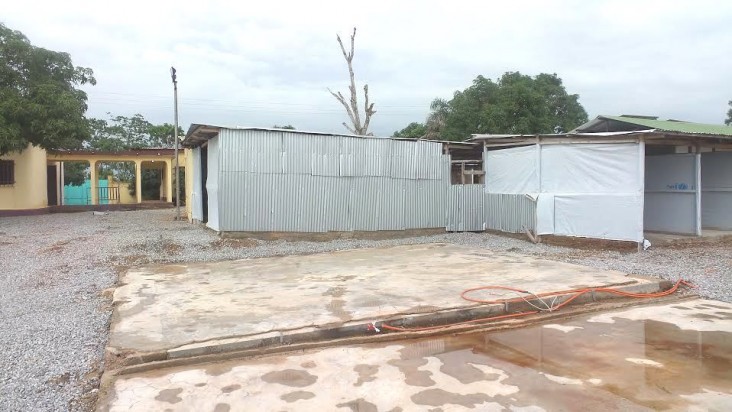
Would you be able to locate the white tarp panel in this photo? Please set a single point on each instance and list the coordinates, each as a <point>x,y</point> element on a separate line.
<point>614,217</point>
<point>590,168</point>
<point>717,170</point>
<point>212,183</point>
<point>196,206</point>
<point>716,201</point>
<point>584,189</point>
<point>717,210</point>
<point>670,212</point>
<point>511,171</point>
<point>670,173</point>
<point>670,198</point>
<point>545,214</point>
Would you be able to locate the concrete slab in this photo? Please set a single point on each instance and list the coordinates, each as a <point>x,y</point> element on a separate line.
<point>179,309</point>
<point>675,356</point>
<point>660,238</point>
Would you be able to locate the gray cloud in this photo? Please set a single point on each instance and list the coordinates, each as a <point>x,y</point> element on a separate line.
<point>261,64</point>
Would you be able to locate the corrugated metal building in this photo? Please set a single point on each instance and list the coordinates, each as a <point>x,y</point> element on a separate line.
<point>273,180</point>
<point>615,177</point>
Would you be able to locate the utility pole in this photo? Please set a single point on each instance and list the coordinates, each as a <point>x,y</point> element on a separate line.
<point>175,134</point>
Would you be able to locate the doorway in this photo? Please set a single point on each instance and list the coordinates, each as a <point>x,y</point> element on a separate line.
<point>52,185</point>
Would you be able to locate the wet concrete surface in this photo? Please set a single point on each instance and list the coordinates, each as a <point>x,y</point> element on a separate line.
<point>675,356</point>
<point>183,307</point>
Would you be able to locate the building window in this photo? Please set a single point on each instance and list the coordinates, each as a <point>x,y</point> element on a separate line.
<point>7,172</point>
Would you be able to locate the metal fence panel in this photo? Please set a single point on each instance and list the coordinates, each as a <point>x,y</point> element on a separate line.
<point>466,208</point>
<point>471,209</point>
<point>425,205</point>
<point>297,154</point>
<point>325,155</point>
<point>298,182</point>
<point>256,151</point>
<point>512,213</point>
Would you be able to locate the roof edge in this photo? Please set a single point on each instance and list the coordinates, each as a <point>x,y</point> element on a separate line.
<point>199,133</point>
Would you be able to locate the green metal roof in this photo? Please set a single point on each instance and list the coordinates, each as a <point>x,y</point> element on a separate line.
<point>674,126</point>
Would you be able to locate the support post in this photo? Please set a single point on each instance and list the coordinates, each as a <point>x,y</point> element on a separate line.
<point>698,191</point>
<point>176,143</point>
<point>93,182</point>
<point>61,199</point>
<point>641,191</point>
<point>138,180</point>
<point>168,182</point>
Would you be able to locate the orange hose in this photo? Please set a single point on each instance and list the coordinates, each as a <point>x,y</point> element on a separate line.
<point>574,292</point>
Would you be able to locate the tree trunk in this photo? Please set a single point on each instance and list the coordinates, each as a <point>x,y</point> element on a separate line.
<point>351,105</point>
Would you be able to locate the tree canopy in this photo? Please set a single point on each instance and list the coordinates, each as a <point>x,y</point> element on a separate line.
<point>40,102</point>
<point>728,121</point>
<point>413,130</point>
<point>116,134</point>
<point>134,132</point>
<point>515,103</point>
<point>285,127</point>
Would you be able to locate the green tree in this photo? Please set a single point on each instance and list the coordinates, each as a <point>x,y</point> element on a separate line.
<point>413,130</point>
<point>129,133</point>
<point>162,135</point>
<point>103,138</point>
<point>75,173</point>
<point>515,103</point>
<point>728,122</point>
<point>40,102</point>
<point>125,133</point>
<point>287,127</point>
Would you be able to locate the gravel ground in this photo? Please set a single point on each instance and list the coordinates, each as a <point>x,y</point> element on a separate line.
<point>54,269</point>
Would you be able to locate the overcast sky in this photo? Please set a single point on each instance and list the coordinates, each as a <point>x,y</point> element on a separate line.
<point>262,63</point>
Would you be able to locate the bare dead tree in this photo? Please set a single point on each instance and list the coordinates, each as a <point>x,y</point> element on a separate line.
<point>352,105</point>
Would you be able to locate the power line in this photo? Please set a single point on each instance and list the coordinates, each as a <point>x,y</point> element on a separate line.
<point>147,97</point>
<point>240,108</point>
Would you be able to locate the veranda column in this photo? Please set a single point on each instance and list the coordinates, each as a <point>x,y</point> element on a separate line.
<point>93,182</point>
<point>168,182</point>
<point>138,180</point>
<point>698,192</point>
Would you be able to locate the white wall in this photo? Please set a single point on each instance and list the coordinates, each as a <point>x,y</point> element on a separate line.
<point>584,189</point>
<point>196,194</point>
<point>716,178</point>
<point>512,171</point>
<point>670,193</point>
<point>212,183</point>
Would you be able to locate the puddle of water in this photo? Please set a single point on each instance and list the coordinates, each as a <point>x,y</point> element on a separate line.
<point>628,364</point>
<point>611,363</point>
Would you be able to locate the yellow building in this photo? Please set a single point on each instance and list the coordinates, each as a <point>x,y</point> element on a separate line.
<point>32,181</point>
<point>23,181</point>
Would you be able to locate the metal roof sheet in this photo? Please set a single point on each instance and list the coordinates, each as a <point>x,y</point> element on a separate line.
<point>673,126</point>
<point>199,133</point>
<point>488,137</point>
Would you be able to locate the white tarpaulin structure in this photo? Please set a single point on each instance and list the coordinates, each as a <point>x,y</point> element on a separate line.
<point>716,186</point>
<point>582,189</point>
<point>671,193</point>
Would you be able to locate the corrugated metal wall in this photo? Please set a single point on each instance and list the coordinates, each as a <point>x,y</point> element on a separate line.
<point>470,209</point>
<point>465,208</point>
<point>509,212</point>
<point>296,182</point>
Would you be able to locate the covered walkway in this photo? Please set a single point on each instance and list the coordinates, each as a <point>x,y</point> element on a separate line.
<point>160,159</point>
